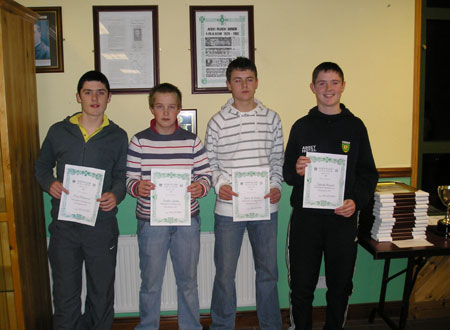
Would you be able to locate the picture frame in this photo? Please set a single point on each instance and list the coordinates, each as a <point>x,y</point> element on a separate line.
<point>219,34</point>
<point>48,40</point>
<point>126,47</point>
<point>187,119</point>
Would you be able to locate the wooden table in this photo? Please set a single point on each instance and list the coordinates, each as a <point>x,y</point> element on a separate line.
<point>417,258</point>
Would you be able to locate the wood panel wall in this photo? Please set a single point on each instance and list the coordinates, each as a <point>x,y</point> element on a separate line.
<point>431,295</point>
<point>20,146</point>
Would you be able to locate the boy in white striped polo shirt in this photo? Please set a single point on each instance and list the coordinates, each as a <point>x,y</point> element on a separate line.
<point>244,134</point>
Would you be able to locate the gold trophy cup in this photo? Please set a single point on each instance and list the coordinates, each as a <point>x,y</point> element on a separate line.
<point>443,226</point>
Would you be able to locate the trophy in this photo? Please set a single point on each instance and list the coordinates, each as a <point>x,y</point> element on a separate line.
<point>443,226</point>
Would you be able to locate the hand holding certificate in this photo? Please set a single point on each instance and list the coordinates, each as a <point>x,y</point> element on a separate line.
<point>85,187</point>
<point>171,203</point>
<point>251,185</point>
<point>324,181</point>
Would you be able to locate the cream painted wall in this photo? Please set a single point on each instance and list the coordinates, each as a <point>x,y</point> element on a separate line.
<point>372,40</point>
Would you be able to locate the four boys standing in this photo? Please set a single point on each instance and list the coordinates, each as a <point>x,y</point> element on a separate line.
<point>243,134</point>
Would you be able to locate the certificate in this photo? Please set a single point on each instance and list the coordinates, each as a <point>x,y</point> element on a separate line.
<point>251,184</point>
<point>324,181</point>
<point>170,201</point>
<point>85,187</point>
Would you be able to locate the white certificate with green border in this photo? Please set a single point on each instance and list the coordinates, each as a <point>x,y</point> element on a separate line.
<point>170,201</point>
<point>251,185</point>
<point>85,187</point>
<point>324,181</point>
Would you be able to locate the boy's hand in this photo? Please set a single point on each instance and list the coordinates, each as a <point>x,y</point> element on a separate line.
<point>226,193</point>
<point>274,194</point>
<point>347,209</point>
<point>56,189</point>
<point>107,201</point>
<point>195,189</point>
<point>302,163</point>
<point>144,188</point>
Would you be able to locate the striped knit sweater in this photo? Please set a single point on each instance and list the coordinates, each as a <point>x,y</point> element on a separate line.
<point>237,139</point>
<point>149,149</point>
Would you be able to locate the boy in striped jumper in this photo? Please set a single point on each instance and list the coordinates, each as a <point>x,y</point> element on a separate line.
<point>165,144</point>
<point>244,134</point>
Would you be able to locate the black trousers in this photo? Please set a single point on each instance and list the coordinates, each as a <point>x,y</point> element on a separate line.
<point>310,237</point>
<point>71,244</point>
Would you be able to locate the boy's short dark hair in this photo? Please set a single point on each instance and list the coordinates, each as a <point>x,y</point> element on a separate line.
<point>93,76</point>
<point>241,64</point>
<point>327,66</point>
<point>163,88</point>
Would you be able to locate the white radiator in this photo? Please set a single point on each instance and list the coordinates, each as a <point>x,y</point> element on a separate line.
<point>128,276</point>
<point>128,279</point>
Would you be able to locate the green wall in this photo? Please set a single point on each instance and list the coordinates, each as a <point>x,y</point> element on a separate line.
<point>368,272</point>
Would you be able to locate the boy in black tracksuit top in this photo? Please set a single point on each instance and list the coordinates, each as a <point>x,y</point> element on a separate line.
<point>328,128</point>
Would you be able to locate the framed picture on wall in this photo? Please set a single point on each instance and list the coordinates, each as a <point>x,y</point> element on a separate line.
<point>126,46</point>
<point>187,119</point>
<point>219,34</point>
<point>48,46</point>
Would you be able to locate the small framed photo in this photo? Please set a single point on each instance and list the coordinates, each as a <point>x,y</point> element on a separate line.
<point>187,119</point>
<point>48,42</point>
<point>219,34</point>
<point>126,46</point>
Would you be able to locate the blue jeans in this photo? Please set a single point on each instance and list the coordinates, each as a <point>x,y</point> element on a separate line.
<point>183,242</point>
<point>263,238</point>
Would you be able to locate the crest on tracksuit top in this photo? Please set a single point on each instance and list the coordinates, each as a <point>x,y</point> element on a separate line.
<point>345,146</point>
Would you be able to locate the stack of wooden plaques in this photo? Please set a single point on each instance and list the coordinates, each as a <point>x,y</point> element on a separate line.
<point>400,212</point>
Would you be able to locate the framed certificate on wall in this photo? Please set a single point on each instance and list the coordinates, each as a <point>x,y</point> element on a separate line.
<point>126,46</point>
<point>219,34</point>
